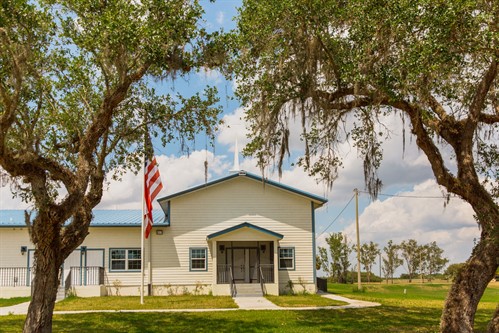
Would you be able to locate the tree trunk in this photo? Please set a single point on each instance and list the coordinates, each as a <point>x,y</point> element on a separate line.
<point>48,260</point>
<point>462,301</point>
<point>494,323</point>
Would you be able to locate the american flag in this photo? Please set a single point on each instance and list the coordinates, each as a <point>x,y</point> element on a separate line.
<point>152,186</point>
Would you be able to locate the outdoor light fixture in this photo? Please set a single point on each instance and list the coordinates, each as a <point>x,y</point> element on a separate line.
<point>159,232</point>
<point>24,249</point>
<point>263,247</point>
<point>221,248</point>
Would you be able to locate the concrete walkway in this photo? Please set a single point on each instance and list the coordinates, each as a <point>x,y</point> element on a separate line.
<point>244,303</point>
<point>17,309</point>
<point>352,303</point>
<point>255,303</point>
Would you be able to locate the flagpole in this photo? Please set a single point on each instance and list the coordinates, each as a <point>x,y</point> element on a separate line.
<point>151,186</point>
<point>142,254</point>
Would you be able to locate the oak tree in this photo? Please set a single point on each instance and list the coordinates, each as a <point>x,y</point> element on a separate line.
<point>343,67</point>
<point>77,96</point>
<point>433,260</point>
<point>412,252</point>
<point>391,260</point>
<point>368,254</point>
<point>336,264</point>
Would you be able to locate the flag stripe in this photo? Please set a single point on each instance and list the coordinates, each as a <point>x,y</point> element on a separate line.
<point>152,186</point>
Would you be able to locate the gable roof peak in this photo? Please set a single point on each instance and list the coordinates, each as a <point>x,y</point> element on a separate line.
<point>315,198</point>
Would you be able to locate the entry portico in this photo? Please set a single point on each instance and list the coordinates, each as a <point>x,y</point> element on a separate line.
<point>245,253</point>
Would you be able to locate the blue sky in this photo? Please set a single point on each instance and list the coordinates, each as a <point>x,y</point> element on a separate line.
<point>403,172</point>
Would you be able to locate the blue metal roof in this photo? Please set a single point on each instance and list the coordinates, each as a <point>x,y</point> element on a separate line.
<point>102,218</point>
<point>244,225</point>
<point>320,200</point>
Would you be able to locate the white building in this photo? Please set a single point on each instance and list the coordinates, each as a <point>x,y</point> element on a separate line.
<point>221,237</point>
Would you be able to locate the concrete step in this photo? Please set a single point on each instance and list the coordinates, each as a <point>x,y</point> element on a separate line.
<point>248,289</point>
<point>61,293</point>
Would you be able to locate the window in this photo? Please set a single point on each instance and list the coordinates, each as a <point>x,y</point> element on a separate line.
<point>125,259</point>
<point>198,259</point>
<point>286,258</point>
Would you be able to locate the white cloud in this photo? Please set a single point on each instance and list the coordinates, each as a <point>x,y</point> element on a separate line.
<point>177,174</point>
<point>210,76</point>
<point>8,201</point>
<point>423,219</point>
<point>401,165</point>
<point>396,172</point>
<point>234,127</point>
<point>220,17</point>
<point>426,220</point>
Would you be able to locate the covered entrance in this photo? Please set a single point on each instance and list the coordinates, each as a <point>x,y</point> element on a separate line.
<point>245,254</point>
<point>244,262</point>
<point>249,262</point>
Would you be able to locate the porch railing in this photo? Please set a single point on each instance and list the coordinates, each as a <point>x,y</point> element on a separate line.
<point>78,276</point>
<point>226,276</point>
<point>233,290</point>
<point>262,281</point>
<point>67,283</point>
<point>267,273</point>
<point>224,273</point>
<point>15,276</point>
<point>263,271</point>
<point>87,276</point>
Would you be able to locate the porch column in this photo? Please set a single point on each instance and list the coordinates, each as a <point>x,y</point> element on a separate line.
<point>215,265</point>
<point>276,264</point>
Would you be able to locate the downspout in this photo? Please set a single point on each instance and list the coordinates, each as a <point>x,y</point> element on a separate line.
<point>314,263</point>
<point>149,266</point>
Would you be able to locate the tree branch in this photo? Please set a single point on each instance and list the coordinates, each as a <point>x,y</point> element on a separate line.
<point>478,102</point>
<point>437,107</point>
<point>425,142</point>
<point>488,118</point>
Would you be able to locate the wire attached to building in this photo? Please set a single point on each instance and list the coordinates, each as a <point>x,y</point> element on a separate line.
<point>330,224</point>
<point>386,195</point>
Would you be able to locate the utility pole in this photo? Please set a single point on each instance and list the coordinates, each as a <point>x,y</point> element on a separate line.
<point>359,285</point>
<point>347,272</point>
<point>380,278</point>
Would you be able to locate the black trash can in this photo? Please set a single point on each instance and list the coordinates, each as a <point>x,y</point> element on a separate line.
<point>322,284</point>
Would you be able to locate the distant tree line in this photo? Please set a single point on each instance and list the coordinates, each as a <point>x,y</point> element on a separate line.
<point>423,260</point>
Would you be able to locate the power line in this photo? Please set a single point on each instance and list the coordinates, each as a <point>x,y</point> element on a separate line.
<point>408,196</point>
<point>330,224</point>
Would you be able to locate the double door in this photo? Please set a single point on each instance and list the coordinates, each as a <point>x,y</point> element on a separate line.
<point>244,263</point>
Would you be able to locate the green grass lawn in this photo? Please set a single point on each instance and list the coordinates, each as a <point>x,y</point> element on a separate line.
<point>377,320</point>
<point>150,302</point>
<point>13,301</point>
<point>308,300</point>
<point>418,310</point>
<point>412,295</point>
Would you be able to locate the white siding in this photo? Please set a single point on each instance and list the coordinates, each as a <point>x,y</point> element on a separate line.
<point>11,240</point>
<point>198,214</point>
<point>99,238</point>
<point>193,216</point>
<point>115,238</point>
